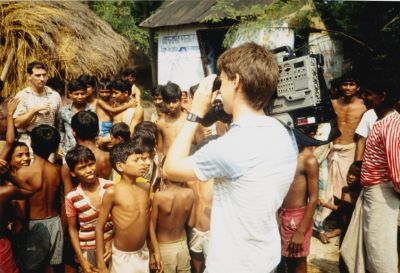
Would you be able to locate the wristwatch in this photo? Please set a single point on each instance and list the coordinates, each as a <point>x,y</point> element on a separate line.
<point>193,117</point>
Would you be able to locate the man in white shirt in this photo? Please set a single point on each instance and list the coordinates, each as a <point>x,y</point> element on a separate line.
<point>253,163</point>
<point>38,103</point>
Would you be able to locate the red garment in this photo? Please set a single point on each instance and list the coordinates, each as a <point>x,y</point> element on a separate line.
<point>381,161</point>
<point>289,221</point>
<point>7,263</point>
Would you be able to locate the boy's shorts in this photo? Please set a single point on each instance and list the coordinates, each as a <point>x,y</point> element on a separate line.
<point>105,127</point>
<point>175,256</point>
<point>7,262</point>
<point>130,262</point>
<point>289,220</point>
<point>199,241</point>
<point>54,227</point>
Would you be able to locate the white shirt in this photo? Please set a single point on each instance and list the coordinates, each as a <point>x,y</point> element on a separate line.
<point>29,99</point>
<point>367,121</point>
<point>253,166</point>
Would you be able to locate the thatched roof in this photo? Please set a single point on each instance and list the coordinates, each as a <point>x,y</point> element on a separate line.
<point>184,12</point>
<point>67,36</point>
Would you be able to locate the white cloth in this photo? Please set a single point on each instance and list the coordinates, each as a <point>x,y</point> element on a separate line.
<point>366,123</point>
<point>199,241</point>
<point>130,262</point>
<point>380,214</point>
<point>253,165</point>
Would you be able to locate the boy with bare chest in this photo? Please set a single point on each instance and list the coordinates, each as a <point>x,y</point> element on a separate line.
<point>170,124</point>
<point>296,215</point>
<point>129,204</point>
<point>171,210</point>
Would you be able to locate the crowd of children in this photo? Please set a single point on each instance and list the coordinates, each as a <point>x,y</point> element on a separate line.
<point>94,181</point>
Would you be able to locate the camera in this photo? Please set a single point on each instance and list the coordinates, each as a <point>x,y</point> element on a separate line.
<point>302,98</point>
<point>216,112</point>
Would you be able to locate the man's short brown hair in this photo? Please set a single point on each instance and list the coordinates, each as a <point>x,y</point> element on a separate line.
<point>257,69</point>
<point>35,64</point>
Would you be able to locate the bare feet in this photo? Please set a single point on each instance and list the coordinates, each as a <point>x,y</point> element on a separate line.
<point>323,238</point>
<point>333,233</point>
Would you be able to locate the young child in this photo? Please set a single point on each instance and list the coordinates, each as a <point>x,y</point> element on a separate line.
<point>200,233</point>
<point>82,207</point>
<point>119,133</point>
<point>90,83</point>
<point>128,203</point>
<point>105,111</point>
<point>296,215</point>
<point>43,178</point>
<point>130,74</point>
<point>85,127</point>
<point>171,210</point>
<point>186,102</point>
<point>171,123</point>
<point>78,95</point>
<point>158,104</point>
<point>121,93</point>
<point>345,206</point>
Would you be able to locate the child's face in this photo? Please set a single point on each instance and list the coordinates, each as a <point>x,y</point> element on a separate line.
<point>173,106</point>
<point>119,96</point>
<point>184,96</point>
<point>78,96</point>
<point>104,93</point>
<point>115,140</point>
<point>157,100</point>
<point>85,172</point>
<point>353,176</point>
<point>89,90</point>
<point>148,159</point>
<point>372,99</point>
<point>20,157</point>
<point>135,165</point>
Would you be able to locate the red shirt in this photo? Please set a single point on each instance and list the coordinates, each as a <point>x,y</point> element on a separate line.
<point>381,161</point>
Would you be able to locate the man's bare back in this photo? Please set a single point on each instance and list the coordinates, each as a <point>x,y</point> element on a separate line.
<point>43,178</point>
<point>170,212</point>
<point>130,212</point>
<point>349,114</point>
<point>298,192</point>
<point>203,193</point>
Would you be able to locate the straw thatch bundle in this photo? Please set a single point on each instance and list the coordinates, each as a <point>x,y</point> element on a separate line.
<point>67,36</point>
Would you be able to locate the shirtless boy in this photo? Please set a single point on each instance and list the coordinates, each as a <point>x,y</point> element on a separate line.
<point>203,193</point>
<point>85,127</point>
<point>129,204</point>
<point>83,206</point>
<point>171,123</point>
<point>43,178</point>
<point>158,104</point>
<point>121,93</point>
<point>90,82</point>
<point>130,75</point>
<point>296,215</point>
<point>105,111</point>
<point>171,209</point>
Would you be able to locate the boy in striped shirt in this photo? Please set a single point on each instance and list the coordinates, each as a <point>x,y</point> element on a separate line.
<point>83,204</point>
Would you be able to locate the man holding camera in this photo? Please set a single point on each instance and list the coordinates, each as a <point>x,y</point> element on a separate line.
<point>253,163</point>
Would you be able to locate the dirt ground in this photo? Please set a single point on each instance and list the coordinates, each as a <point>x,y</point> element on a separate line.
<point>323,258</point>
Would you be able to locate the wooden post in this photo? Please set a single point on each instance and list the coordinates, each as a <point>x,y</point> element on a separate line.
<point>7,65</point>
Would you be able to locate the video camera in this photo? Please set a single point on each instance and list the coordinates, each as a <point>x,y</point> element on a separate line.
<point>302,97</point>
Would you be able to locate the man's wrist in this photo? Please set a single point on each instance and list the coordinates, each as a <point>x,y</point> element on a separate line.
<point>193,117</point>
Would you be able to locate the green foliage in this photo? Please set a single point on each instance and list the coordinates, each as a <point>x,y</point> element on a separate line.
<point>125,17</point>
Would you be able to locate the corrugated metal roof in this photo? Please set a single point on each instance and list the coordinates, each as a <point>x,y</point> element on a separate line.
<point>182,12</point>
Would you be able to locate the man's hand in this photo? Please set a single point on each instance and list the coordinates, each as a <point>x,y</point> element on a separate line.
<point>88,267</point>
<point>203,96</point>
<point>43,109</point>
<point>296,243</point>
